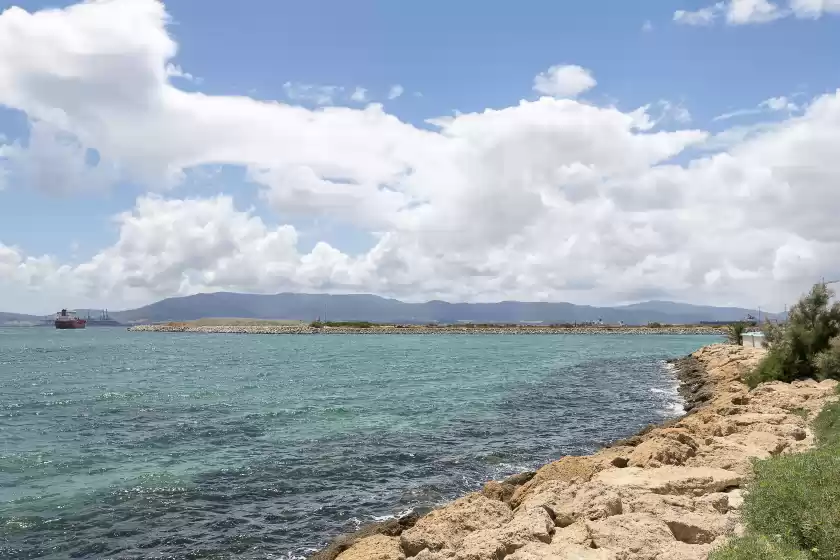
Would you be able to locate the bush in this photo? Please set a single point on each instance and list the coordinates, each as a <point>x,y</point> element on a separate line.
<point>756,547</point>
<point>792,507</point>
<point>827,362</point>
<point>735,333</point>
<point>807,346</point>
<point>654,325</point>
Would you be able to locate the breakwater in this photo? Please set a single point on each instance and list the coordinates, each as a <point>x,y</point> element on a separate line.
<point>415,330</point>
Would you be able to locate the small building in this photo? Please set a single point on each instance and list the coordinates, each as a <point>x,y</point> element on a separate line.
<point>753,340</point>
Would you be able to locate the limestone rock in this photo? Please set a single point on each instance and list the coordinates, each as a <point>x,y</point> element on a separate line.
<point>659,450</point>
<point>498,491</point>
<point>446,527</point>
<point>683,551</point>
<point>694,481</point>
<point>562,552</point>
<point>439,555</point>
<point>566,469</point>
<point>736,499</point>
<point>377,547</point>
<point>533,525</point>
<point>639,536</point>
<point>569,502</point>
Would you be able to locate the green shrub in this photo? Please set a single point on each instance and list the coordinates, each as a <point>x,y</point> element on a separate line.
<point>756,547</point>
<point>827,362</point>
<point>735,333</point>
<point>654,325</point>
<point>827,426</point>
<point>807,345</point>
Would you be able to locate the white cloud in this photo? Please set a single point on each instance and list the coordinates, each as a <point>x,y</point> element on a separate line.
<point>704,16</point>
<point>310,93</point>
<point>395,91</point>
<point>814,9</point>
<point>359,95</point>
<point>175,71</point>
<point>548,199</point>
<point>741,12</point>
<point>774,104</point>
<point>564,81</point>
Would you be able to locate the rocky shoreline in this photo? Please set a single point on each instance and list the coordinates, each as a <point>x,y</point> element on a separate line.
<point>671,492</point>
<point>427,330</point>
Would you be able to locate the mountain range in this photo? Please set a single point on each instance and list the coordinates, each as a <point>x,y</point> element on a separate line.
<point>362,307</point>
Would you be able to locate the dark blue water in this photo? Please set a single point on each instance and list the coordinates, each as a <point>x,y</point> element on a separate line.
<point>152,445</point>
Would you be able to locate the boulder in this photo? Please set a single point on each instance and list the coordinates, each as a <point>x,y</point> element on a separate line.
<point>389,528</point>
<point>529,526</point>
<point>446,527</point>
<point>657,451</point>
<point>568,502</point>
<point>376,547</point>
<point>693,481</point>
<point>567,469</point>
<point>638,536</point>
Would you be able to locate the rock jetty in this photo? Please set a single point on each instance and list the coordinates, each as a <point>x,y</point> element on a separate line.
<point>411,329</point>
<point>670,493</point>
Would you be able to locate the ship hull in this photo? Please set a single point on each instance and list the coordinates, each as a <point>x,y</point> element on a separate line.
<point>69,325</point>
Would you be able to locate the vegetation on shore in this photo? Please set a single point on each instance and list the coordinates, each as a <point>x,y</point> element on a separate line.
<point>807,345</point>
<point>735,333</point>
<point>792,508</point>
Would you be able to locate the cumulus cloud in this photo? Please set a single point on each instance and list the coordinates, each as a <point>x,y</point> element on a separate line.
<point>742,12</point>
<point>547,199</point>
<point>564,81</point>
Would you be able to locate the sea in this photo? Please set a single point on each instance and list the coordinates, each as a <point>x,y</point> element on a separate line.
<point>184,446</point>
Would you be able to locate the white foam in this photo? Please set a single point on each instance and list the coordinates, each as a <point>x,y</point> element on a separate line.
<point>675,404</point>
<point>399,515</point>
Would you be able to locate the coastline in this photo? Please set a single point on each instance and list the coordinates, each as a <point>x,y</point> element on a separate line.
<point>428,330</point>
<point>672,491</point>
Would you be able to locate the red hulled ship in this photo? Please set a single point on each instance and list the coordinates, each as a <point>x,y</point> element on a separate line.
<point>66,321</point>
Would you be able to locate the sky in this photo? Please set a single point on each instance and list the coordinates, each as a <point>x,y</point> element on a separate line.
<point>598,152</point>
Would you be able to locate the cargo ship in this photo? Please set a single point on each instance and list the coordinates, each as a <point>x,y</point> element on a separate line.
<point>104,320</point>
<point>65,320</point>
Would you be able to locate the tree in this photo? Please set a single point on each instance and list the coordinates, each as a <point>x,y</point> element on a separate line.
<point>735,333</point>
<point>808,345</point>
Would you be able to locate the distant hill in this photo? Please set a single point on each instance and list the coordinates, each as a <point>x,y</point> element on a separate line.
<point>19,320</point>
<point>308,307</point>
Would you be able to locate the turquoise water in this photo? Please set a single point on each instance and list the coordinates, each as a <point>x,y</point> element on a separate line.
<point>151,445</point>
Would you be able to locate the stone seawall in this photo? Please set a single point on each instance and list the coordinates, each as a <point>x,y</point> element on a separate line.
<point>404,330</point>
<point>672,492</point>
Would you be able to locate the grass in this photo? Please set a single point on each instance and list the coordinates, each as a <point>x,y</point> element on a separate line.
<point>756,547</point>
<point>792,508</point>
<point>801,412</point>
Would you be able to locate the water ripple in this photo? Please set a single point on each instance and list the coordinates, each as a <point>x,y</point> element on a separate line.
<point>139,446</point>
